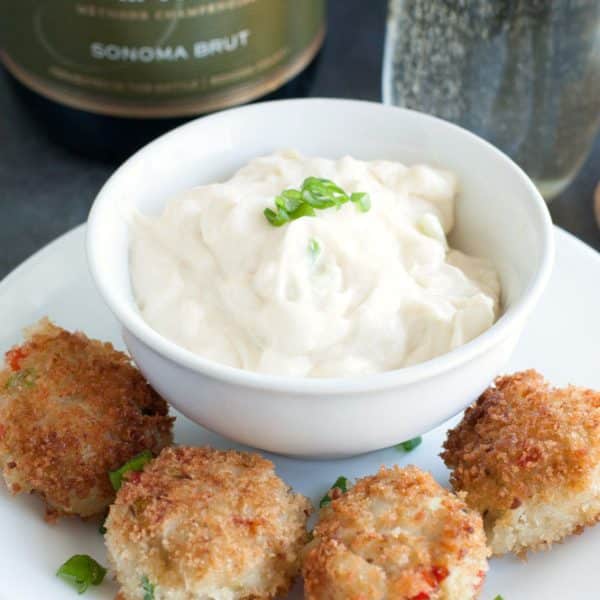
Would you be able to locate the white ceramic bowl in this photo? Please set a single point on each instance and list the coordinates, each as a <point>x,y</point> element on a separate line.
<point>500,215</point>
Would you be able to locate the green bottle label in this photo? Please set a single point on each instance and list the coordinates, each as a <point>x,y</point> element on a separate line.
<point>158,58</point>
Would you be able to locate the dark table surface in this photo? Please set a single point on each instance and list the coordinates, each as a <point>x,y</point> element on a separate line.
<point>46,190</point>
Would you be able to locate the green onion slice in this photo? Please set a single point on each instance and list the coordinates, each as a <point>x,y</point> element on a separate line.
<point>314,248</point>
<point>304,210</point>
<point>147,588</point>
<point>289,200</point>
<point>410,444</point>
<point>277,219</point>
<point>362,201</point>
<point>315,193</point>
<point>24,378</point>
<point>341,483</point>
<point>102,528</point>
<point>137,463</point>
<point>81,571</point>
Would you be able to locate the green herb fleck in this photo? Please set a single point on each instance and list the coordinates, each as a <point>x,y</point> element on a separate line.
<point>24,378</point>
<point>137,463</point>
<point>147,588</point>
<point>277,219</point>
<point>362,201</point>
<point>81,571</point>
<point>289,200</point>
<point>315,193</point>
<point>498,597</point>
<point>304,210</point>
<point>102,528</point>
<point>314,248</point>
<point>341,484</point>
<point>410,444</point>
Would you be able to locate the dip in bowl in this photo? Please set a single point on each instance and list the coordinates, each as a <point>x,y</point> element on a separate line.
<point>348,408</point>
<point>279,270</point>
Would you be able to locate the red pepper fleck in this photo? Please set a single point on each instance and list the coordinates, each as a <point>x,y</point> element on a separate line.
<point>242,521</point>
<point>429,578</point>
<point>251,524</point>
<point>14,358</point>
<point>529,457</point>
<point>434,576</point>
<point>479,584</point>
<point>421,596</point>
<point>134,476</point>
<point>334,493</point>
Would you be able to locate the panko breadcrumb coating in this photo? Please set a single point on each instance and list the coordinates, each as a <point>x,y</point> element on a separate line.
<point>200,523</point>
<point>397,534</point>
<point>528,457</point>
<point>71,409</point>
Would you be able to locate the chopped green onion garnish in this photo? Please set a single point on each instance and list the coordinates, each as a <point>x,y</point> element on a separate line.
<point>498,597</point>
<point>102,528</point>
<point>277,219</point>
<point>289,200</point>
<point>147,588</point>
<point>82,571</point>
<point>315,193</point>
<point>304,210</point>
<point>410,444</point>
<point>314,248</point>
<point>341,484</point>
<point>25,378</point>
<point>362,201</point>
<point>137,463</point>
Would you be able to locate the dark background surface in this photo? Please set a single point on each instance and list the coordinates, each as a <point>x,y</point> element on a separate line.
<point>45,190</point>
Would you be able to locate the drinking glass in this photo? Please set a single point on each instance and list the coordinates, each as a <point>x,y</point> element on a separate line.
<point>524,74</point>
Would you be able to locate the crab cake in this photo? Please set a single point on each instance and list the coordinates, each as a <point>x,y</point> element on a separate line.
<point>397,534</point>
<point>71,409</point>
<point>199,523</point>
<point>528,456</point>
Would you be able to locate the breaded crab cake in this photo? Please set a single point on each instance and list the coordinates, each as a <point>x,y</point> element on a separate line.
<point>397,534</point>
<point>528,457</point>
<point>200,523</point>
<point>71,409</point>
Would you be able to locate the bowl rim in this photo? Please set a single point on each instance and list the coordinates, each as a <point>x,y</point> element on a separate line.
<point>168,349</point>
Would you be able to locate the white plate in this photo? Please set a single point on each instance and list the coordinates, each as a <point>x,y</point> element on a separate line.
<point>561,341</point>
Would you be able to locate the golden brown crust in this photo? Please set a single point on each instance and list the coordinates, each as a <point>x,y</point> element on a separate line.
<point>397,534</point>
<point>331,571</point>
<point>71,409</point>
<point>524,439</point>
<point>197,517</point>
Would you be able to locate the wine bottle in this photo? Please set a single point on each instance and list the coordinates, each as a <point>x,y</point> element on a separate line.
<point>106,76</point>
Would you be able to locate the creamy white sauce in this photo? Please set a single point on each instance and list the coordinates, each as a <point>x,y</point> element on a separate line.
<point>383,291</point>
